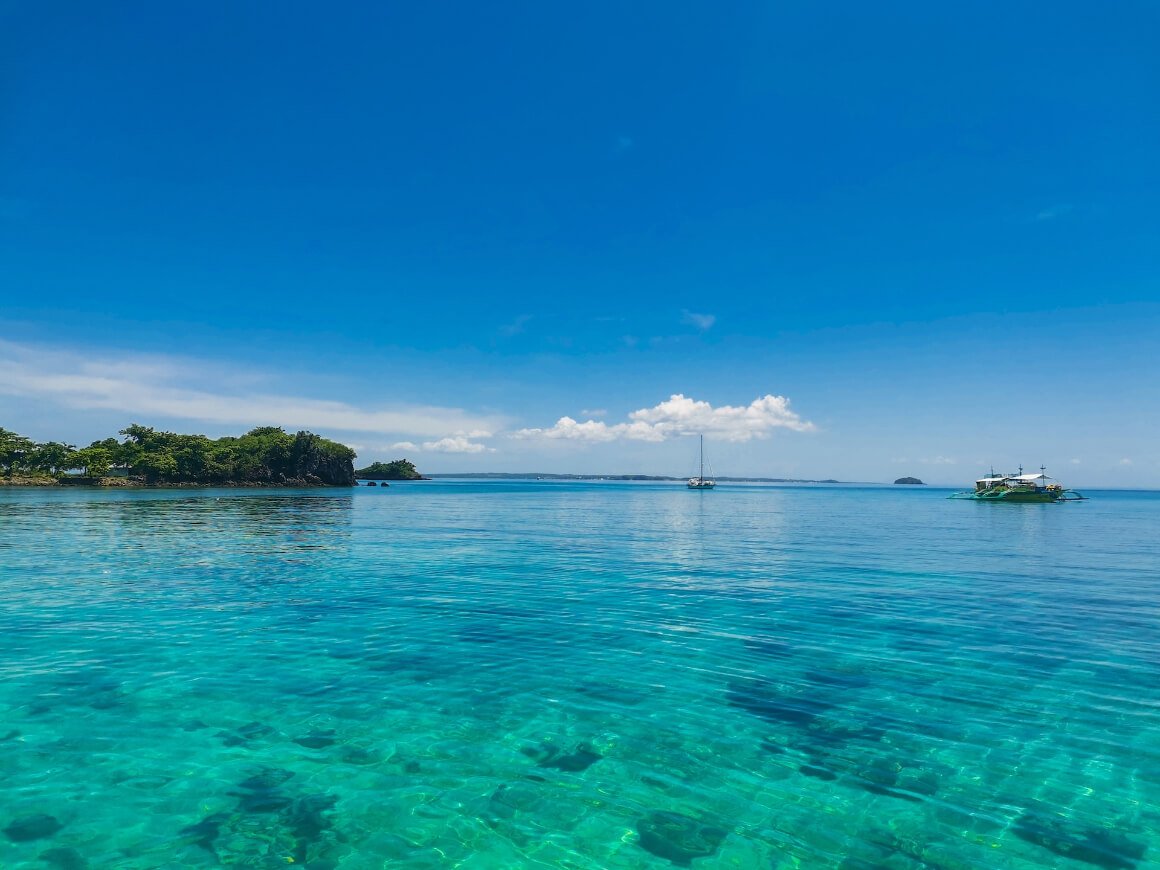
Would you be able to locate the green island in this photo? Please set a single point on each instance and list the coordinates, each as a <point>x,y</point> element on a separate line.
<point>400,469</point>
<point>266,456</point>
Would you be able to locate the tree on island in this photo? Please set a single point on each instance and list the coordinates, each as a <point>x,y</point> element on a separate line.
<point>400,469</point>
<point>266,455</point>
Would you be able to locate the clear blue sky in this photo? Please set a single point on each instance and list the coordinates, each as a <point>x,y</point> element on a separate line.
<point>933,229</point>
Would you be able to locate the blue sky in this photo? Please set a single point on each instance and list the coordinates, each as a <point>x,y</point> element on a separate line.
<point>929,233</point>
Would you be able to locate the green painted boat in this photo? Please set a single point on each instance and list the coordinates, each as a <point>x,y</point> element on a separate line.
<point>1020,489</point>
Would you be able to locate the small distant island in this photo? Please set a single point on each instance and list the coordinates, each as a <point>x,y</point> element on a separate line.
<point>399,469</point>
<point>266,456</point>
<point>912,481</point>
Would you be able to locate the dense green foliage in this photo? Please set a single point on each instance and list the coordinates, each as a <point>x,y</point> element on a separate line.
<point>264,455</point>
<point>400,469</point>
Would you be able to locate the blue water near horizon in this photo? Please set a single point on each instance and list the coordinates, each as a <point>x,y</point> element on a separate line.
<point>578,674</point>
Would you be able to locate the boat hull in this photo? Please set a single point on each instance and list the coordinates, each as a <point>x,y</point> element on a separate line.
<point>1011,497</point>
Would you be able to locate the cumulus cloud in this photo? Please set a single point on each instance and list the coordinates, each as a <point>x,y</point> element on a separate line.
<point>160,386</point>
<point>456,444</point>
<point>701,321</point>
<point>405,445</point>
<point>678,416</point>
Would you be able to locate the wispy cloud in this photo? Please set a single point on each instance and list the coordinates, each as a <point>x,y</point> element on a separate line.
<point>939,460</point>
<point>1075,462</point>
<point>1125,461</point>
<point>701,321</point>
<point>172,387</point>
<point>678,416</point>
<point>595,412</point>
<point>516,326</point>
<point>1053,212</point>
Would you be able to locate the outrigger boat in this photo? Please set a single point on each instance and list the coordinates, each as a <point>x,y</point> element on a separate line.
<point>1020,487</point>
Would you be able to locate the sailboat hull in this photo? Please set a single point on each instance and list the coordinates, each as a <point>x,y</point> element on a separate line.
<point>700,481</point>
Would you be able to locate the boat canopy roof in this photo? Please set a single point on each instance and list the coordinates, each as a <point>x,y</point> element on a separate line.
<point>999,478</point>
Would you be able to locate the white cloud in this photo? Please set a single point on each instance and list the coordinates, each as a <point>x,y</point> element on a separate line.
<point>1125,461</point>
<point>682,416</point>
<point>516,326</point>
<point>456,444</point>
<point>939,460</point>
<point>405,445</point>
<point>172,387</point>
<point>701,321</point>
<point>595,412</point>
<point>1075,462</point>
<point>1053,212</point>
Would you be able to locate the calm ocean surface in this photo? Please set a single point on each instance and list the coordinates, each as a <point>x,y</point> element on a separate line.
<point>581,675</point>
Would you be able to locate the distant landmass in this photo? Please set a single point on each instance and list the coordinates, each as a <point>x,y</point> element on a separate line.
<point>399,469</point>
<point>266,456</point>
<point>502,475</point>
<point>910,481</point>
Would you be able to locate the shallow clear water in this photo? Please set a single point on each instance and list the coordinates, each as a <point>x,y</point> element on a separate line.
<point>578,675</point>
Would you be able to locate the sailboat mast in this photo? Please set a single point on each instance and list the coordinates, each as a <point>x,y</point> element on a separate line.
<point>702,471</point>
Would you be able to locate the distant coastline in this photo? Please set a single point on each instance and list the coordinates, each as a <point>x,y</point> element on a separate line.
<point>502,475</point>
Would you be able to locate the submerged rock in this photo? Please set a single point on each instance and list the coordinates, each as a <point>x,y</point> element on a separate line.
<point>316,739</point>
<point>768,702</point>
<point>270,778</point>
<point>255,729</point>
<point>64,859</point>
<point>266,801</point>
<point>361,755</point>
<point>1092,845</point>
<point>678,838</point>
<point>307,822</point>
<point>34,827</point>
<point>818,772</point>
<point>205,832</point>
<point>573,762</point>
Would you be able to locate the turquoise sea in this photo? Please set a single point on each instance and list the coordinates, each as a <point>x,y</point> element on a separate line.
<point>579,675</point>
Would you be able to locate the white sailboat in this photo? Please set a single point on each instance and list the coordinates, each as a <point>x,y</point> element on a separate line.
<point>700,481</point>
